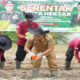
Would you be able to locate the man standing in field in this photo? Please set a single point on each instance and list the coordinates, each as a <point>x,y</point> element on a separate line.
<point>73,50</point>
<point>21,30</point>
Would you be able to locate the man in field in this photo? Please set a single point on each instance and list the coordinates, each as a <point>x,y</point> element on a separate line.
<point>42,45</point>
<point>21,30</point>
<point>73,50</point>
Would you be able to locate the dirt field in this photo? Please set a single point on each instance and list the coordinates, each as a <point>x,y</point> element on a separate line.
<point>25,73</point>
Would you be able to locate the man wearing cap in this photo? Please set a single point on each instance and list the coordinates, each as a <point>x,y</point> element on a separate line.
<point>22,29</point>
<point>5,44</point>
<point>73,50</point>
<point>42,44</point>
<point>9,14</point>
<point>76,17</point>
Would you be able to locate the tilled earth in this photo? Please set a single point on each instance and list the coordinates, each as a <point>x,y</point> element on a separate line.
<point>25,73</point>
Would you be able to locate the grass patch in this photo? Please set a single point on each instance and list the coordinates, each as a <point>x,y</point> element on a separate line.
<point>61,47</point>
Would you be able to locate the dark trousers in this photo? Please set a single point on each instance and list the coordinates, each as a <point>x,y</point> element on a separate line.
<point>20,53</point>
<point>69,54</point>
<point>3,58</point>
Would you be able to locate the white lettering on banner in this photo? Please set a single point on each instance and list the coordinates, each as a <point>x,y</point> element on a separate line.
<point>56,14</point>
<point>61,8</point>
<point>58,8</point>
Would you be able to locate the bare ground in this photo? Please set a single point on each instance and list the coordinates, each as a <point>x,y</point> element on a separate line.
<point>25,73</point>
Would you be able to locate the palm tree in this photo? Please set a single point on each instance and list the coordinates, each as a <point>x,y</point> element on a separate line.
<point>60,36</point>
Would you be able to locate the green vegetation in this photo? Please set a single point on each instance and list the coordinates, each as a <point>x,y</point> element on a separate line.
<point>61,47</point>
<point>62,36</point>
<point>12,35</point>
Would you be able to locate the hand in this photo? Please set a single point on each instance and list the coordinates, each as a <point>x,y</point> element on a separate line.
<point>40,55</point>
<point>31,54</point>
<point>26,37</point>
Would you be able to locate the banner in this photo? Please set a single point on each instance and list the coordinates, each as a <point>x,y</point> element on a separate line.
<point>54,15</point>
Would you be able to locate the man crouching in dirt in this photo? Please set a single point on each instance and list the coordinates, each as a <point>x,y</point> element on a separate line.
<point>73,50</point>
<point>43,44</point>
<point>5,44</point>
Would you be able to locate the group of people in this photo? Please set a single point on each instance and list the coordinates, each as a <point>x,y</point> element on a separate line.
<point>40,44</point>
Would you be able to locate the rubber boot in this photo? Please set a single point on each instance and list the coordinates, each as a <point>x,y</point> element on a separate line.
<point>18,64</point>
<point>67,65</point>
<point>35,72</point>
<point>54,73</point>
<point>2,63</point>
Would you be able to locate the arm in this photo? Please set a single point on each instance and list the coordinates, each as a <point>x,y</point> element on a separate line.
<point>50,46</point>
<point>27,47</point>
<point>76,50</point>
<point>76,55</point>
<point>29,51</point>
<point>19,32</point>
<point>19,35</point>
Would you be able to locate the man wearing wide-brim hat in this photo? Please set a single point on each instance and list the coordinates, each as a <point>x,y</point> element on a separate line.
<point>5,44</point>
<point>42,44</point>
<point>22,29</point>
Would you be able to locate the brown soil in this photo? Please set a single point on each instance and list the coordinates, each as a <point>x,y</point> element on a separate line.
<point>25,73</point>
